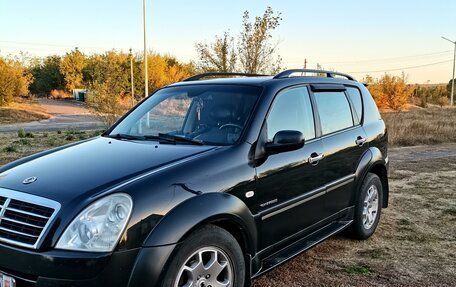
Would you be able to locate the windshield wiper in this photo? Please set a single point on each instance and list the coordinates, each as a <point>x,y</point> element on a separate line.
<point>162,137</point>
<point>174,138</point>
<point>125,137</point>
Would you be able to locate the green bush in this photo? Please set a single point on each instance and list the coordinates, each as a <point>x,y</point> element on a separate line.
<point>357,270</point>
<point>21,133</point>
<point>10,149</point>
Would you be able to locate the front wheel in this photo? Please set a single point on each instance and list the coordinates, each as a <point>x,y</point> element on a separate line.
<point>368,207</point>
<point>209,257</point>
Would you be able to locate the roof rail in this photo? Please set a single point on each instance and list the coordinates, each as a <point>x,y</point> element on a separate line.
<point>329,74</point>
<point>205,75</point>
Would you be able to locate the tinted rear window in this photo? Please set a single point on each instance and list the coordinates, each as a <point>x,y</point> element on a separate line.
<point>355,97</point>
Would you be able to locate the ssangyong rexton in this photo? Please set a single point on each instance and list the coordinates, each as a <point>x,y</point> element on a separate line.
<point>205,183</point>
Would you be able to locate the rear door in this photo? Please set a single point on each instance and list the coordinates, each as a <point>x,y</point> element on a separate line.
<point>343,141</point>
<point>289,195</point>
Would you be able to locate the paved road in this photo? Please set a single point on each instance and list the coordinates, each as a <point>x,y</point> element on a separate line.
<point>65,115</point>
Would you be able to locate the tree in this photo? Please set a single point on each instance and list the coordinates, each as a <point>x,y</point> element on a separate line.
<point>108,78</point>
<point>47,76</point>
<point>391,92</point>
<point>111,67</point>
<point>219,56</point>
<point>256,52</point>
<point>251,52</point>
<point>107,105</point>
<point>71,67</point>
<point>14,80</point>
<point>165,69</point>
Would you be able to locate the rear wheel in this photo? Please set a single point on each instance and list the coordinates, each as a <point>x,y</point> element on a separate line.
<point>368,207</point>
<point>209,257</point>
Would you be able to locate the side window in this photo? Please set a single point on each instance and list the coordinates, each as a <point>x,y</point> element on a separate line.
<point>292,110</point>
<point>355,97</point>
<point>334,111</point>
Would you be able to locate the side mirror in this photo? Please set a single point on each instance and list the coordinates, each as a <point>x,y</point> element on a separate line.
<point>285,141</point>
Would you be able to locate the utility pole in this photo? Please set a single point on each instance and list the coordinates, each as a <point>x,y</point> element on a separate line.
<point>132,80</point>
<point>305,66</point>
<point>146,80</point>
<point>454,66</point>
<point>146,74</point>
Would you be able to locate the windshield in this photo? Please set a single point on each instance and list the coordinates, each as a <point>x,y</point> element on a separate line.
<point>208,114</point>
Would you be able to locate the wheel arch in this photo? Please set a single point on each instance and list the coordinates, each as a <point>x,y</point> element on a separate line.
<point>375,162</point>
<point>220,209</point>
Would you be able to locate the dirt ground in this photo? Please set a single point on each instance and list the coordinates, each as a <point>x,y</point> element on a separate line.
<point>63,114</point>
<point>22,111</point>
<point>415,244</point>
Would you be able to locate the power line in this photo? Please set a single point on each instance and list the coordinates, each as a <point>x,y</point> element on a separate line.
<point>404,68</point>
<point>387,59</point>
<point>48,45</point>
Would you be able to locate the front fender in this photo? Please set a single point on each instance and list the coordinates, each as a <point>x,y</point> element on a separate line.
<point>180,221</point>
<point>205,208</point>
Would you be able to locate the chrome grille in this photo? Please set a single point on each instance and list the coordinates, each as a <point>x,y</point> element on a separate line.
<point>24,218</point>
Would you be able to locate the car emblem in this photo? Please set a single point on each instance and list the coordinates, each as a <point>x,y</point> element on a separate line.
<point>29,180</point>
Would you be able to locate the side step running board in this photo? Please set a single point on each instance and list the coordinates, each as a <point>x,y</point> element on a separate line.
<point>302,245</point>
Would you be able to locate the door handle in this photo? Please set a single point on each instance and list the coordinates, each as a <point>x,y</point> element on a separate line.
<point>315,158</point>
<point>360,140</point>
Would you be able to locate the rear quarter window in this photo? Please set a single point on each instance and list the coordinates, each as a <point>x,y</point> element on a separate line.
<point>355,97</point>
<point>371,112</point>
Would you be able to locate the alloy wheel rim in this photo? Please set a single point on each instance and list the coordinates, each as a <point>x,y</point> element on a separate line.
<point>370,208</point>
<point>207,267</point>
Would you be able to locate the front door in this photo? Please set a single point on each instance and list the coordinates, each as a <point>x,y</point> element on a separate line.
<point>289,194</point>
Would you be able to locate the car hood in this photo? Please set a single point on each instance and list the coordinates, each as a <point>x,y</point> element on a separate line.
<point>93,166</point>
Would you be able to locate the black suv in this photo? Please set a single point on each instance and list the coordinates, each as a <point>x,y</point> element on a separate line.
<point>205,183</point>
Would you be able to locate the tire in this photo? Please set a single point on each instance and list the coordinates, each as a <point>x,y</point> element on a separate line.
<point>363,225</point>
<point>207,241</point>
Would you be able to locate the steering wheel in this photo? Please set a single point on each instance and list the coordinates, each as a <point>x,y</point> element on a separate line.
<point>230,125</point>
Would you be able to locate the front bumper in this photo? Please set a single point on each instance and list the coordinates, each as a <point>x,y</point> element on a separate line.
<point>67,268</point>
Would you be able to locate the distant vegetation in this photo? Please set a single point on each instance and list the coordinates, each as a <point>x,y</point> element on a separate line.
<point>106,76</point>
<point>424,96</point>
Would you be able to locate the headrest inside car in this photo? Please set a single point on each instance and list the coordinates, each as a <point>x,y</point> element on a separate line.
<point>222,113</point>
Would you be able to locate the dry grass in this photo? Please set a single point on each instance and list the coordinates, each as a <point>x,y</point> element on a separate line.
<point>22,111</point>
<point>421,126</point>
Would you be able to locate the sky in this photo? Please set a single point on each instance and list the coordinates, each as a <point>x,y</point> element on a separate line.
<point>352,36</point>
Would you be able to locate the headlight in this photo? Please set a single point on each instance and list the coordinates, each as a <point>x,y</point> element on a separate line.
<point>99,227</point>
